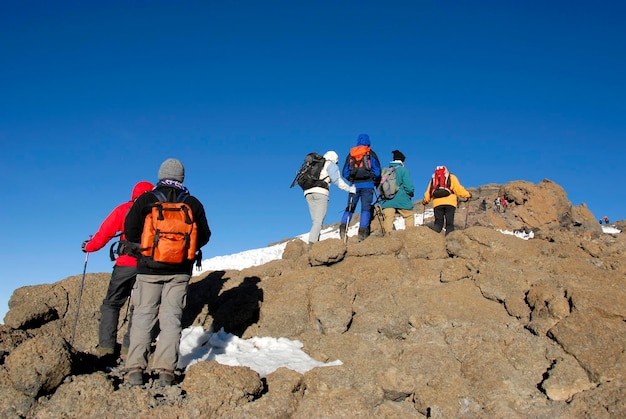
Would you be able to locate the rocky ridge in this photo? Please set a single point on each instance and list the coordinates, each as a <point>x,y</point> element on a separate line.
<point>473,324</point>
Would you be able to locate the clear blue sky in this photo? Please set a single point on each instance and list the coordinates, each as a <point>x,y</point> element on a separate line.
<point>95,95</point>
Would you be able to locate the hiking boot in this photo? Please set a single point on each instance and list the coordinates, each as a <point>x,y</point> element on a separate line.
<point>135,377</point>
<point>364,233</point>
<point>166,378</point>
<point>342,231</point>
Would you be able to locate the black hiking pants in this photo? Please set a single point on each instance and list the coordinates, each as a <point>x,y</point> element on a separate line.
<point>120,286</point>
<point>444,213</point>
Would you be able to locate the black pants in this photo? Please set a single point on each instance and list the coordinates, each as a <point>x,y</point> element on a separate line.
<point>444,213</point>
<point>120,286</point>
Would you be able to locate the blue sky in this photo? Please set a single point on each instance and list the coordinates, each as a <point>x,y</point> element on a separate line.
<point>95,95</point>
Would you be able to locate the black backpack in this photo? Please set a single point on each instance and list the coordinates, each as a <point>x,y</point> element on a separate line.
<point>309,174</point>
<point>360,167</point>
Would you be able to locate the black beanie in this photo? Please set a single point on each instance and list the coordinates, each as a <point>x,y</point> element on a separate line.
<point>397,155</point>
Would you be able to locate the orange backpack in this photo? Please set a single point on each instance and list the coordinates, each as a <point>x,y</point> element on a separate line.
<point>169,231</point>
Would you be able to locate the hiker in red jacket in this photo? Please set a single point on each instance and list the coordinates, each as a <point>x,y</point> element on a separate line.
<point>505,203</point>
<point>122,277</point>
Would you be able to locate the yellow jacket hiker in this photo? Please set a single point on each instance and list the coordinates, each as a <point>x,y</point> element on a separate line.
<point>445,207</point>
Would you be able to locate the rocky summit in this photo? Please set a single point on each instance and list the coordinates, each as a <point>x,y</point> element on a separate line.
<point>477,323</point>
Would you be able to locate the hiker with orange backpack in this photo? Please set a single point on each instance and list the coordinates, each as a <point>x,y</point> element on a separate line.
<point>362,169</point>
<point>168,226</point>
<point>122,277</point>
<point>444,189</point>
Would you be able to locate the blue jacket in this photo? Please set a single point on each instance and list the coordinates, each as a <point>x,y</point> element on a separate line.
<point>402,199</point>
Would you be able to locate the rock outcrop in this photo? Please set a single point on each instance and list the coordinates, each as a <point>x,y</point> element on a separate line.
<point>473,324</point>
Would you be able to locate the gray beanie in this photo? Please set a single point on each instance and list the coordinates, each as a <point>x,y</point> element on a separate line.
<point>172,169</point>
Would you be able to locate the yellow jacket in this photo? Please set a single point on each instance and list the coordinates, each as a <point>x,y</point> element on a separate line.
<point>455,187</point>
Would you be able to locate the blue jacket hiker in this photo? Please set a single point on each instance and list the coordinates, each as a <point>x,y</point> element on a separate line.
<point>362,169</point>
<point>401,203</point>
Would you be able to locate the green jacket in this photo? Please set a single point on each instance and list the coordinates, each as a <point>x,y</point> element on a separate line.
<point>402,199</point>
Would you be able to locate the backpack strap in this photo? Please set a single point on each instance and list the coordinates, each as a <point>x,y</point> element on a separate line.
<point>391,170</point>
<point>160,196</point>
<point>124,247</point>
<point>113,250</point>
<point>181,197</point>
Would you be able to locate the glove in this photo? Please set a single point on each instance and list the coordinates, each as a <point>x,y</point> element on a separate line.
<point>82,247</point>
<point>352,189</point>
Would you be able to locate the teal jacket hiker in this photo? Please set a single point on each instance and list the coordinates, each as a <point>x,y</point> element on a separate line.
<point>402,199</point>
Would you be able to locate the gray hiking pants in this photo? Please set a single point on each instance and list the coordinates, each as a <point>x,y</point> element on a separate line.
<point>318,205</point>
<point>162,298</point>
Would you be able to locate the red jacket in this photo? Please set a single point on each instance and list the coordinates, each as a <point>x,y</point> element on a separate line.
<point>114,224</point>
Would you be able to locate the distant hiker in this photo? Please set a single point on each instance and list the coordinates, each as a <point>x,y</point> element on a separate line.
<point>122,277</point>
<point>497,203</point>
<point>605,219</point>
<point>400,202</point>
<point>505,203</point>
<point>160,292</point>
<point>362,169</point>
<point>483,205</point>
<point>317,196</point>
<point>444,207</point>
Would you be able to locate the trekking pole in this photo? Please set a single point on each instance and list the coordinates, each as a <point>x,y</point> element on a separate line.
<point>345,239</point>
<point>467,212</point>
<point>80,294</point>
<point>125,315</point>
<point>423,213</point>
<point>295,179</point>
<point>379,212</point>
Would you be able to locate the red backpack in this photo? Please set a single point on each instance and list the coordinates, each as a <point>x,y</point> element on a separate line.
<point>440,183</point>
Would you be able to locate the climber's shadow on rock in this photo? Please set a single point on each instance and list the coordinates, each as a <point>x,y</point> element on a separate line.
<point>201,297</point>
<point>234,310</point>
<point>238,308</point>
